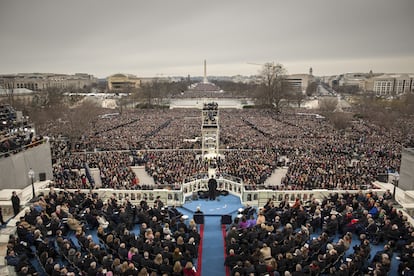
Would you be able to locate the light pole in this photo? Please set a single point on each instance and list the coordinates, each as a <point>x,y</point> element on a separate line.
<point>395,182</point>
<point>32,176</point>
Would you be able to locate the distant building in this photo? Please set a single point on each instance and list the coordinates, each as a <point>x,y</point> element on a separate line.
<point>161,79</point>
<point>393,84</point>
<point>123,82</point>
<point>42,81</point>
<point>299,82</point>
<point>383,85</point>
<point>353,79</point>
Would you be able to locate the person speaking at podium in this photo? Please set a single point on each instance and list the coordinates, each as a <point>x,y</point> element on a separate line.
<point>212,187</point>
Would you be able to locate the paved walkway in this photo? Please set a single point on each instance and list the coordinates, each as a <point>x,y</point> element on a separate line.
<point>96,176</point>
<point>276,177</point>
<point>143,176</point>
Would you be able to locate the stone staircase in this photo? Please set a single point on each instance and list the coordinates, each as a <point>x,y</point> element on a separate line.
<point>276,177</point>
<point>143,176</point>
<point>95,173</point>
<point>5,232</point>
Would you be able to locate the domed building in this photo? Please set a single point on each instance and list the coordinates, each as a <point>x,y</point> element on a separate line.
<point>123,81</point>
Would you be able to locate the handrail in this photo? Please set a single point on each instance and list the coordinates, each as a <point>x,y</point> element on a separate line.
<point>178,195</point>
<point>256,198</point>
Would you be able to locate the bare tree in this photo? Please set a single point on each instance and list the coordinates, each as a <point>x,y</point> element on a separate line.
<point>80,119</point>
<point>407,104</point>
<point>273,88</point>
<point>156,91</point>
<point>160,90</point>
<point>54,97</point>
<point>297,97</point>
<point>311,89</point>
<point>327,105</point>
<point>122,103</point>
<point>147,93</point>
<point>340,120</point>
<point>175,88</point>
<point>45,106</point>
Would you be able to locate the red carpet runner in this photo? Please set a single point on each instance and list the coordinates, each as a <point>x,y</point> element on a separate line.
<point>223,230</point>
<point>200,250</point>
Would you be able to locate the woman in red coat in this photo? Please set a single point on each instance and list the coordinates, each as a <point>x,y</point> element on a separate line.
<point>189,269</point>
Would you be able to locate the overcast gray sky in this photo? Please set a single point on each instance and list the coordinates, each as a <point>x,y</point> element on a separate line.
<point>155,37</point>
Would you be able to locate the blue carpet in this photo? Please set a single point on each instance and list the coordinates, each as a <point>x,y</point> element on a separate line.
<point>135,230</point>
<point>213,248</point>
<point>223,205</point>
<point>213,243</point>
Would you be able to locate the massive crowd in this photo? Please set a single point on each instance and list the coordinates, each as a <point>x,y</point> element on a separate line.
<point>300,238</point>
<point>54,231</point>
<point>278,240</point>
<point>254,143</point>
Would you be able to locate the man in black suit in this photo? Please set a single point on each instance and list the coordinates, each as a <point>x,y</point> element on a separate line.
<point>212,187</point>
<point>198,216</point>
<point>16,203</point>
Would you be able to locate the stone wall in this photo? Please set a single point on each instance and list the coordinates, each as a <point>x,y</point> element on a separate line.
<point>14,169</point>
<point>406,181</point>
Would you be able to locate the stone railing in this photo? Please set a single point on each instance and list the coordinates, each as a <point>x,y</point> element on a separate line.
<point>177,197</point>
<point>232,187</point>
<point>169,197</point>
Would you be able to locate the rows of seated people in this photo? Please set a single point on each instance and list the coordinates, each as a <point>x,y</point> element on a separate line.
<point>7,116</point>
<point>115,171</point>
<point>319,155</point>
<point>54,233</point>
<point>278,241</point>
<point>142,129</point>
<point>14,134</point>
